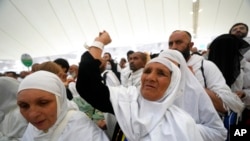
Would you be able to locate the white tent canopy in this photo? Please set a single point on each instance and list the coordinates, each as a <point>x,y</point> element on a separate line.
<point>46,29</point>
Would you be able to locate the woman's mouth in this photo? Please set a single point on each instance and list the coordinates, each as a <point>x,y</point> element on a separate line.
<point>149,86</point>
<point>38,123</point>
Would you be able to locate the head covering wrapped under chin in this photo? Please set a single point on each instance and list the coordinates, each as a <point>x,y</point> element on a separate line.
<point>47,81</point>
<point>144,114</point>
<point>177,57</point>
<point>175,76</point>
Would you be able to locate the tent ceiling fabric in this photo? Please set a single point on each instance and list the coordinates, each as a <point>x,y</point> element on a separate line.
<point>50,27</point>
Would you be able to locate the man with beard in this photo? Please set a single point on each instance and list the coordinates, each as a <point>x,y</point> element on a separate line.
<point>209,77</point>
<point>241,30</point>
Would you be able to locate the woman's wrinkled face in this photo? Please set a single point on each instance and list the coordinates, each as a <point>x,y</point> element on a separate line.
<point>155,81</point>
<point>38,107</point>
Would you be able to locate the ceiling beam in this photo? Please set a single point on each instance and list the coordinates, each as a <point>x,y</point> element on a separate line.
<point>196,7</point>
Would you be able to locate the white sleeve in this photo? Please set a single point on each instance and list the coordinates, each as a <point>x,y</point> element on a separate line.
<point>124,76</point>
<point>246,84</point>
<point>216,82</point>
<point>111,79</point>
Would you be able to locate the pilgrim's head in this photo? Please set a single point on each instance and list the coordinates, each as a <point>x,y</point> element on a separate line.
<point>159,78</point>
<point>42,99</point>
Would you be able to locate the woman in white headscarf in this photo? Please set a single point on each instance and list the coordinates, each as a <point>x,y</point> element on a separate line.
<point>196,102</point>
<point>12,123</point>
<point>147,114</point>
<point>43,102</point>
<point>142,117</point>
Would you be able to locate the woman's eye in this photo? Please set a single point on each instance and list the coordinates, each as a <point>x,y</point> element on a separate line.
<point>23,105</point>
<point>161,74</point>
<point>43,102</point>
<point>147,71</point>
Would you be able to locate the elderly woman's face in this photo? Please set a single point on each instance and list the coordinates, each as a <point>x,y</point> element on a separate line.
<point>155,81</point>
<point>38,107</point>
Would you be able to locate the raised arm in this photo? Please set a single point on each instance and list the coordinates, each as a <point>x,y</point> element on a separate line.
<point>96,48</point>
<point>89,82</point>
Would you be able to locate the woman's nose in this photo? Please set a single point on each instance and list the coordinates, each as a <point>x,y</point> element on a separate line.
<point>34,112</point>
<point>151,76</point>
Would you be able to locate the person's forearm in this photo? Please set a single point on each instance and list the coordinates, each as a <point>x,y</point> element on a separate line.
<point>217,102</point>
<point>89,84</point>
<point>98,45</point>
<point>95,52</point>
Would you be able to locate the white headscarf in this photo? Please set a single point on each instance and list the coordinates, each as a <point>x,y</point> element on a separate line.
<point>192,85</point>
<point>196,101</point>
<point>47,81</point>
<point>141,119</point>
<point>150,113</point>
<point>175,78</point>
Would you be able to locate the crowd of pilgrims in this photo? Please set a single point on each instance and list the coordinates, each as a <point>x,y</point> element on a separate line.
<point>178,94</point>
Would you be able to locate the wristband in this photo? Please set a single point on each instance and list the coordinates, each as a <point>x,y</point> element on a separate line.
<point>86,46</point>
<point>98,44</point>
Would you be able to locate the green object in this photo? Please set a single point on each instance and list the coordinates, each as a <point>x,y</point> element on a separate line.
<point>88,109</point>
<point>26,60</point>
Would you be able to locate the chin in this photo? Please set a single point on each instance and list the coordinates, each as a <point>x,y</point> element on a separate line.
<point>42,127</point>
<point>147,97</point>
